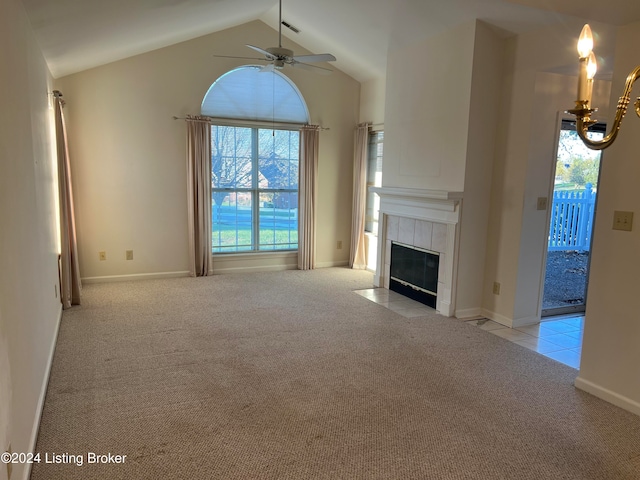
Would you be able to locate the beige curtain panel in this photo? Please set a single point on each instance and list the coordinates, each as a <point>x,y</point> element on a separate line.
<point>309,146</point>
<point>199,195</point>
<point>70,284</point>
<point>357,254</point>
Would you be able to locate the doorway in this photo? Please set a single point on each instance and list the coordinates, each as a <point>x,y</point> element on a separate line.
<point>573,206</point>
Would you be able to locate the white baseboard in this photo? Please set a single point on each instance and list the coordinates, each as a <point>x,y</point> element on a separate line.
<point>253,262</point>
<point>468,313</point>
<point>43,393</point>
<point>137,276</point>
<point>254,269</point>
<point>496,317</point>
<point>344,263</point>
<point>509,322</point>
<point>524,321</point>
<point>608,395</point>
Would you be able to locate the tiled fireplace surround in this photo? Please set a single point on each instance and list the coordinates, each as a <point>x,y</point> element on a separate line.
<point>427,219</point>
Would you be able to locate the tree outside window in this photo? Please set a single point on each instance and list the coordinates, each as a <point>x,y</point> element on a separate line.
<point>254,175</point>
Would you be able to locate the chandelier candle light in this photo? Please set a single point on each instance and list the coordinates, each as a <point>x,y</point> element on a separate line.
<point>583,110</point>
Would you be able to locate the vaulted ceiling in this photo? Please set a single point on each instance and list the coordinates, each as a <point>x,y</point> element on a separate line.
<point>79,34</point>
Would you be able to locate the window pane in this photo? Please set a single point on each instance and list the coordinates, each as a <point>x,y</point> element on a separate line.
<point>249,93</point>
<point>254,177</point>
<point>231,219</point>
<point>231,157</point>
<point>278,221</point>
<point>278,159</point>
<point>374,178</point>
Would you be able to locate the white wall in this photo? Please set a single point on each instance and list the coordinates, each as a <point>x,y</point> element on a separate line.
<point>610,364</point>
<point>29,304</point>
<point>129,153</point>
<point>427,110</point>
<point>372,96</point>
<point>483,116</point>
<point>523,167</point>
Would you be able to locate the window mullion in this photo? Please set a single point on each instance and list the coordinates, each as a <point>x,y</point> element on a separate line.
<point>240,174</point>
<point>255,196</point>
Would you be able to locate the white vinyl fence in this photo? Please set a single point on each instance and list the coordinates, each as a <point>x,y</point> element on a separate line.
<point>572,219</point>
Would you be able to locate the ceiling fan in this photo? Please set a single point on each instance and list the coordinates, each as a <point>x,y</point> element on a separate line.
<point>279,56</point>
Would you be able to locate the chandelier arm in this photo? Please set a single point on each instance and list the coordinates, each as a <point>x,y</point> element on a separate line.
<point>583,115</point>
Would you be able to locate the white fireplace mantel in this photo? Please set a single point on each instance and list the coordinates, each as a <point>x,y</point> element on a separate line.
<point>422,193</point>
<point>440,207</point>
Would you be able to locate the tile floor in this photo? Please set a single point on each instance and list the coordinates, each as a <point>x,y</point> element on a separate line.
<point>396,302</point>
<point>559,338</point>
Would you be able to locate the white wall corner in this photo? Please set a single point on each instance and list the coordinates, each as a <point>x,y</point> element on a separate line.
<point>496,317</point>
<point>43,392</point>
<point>525,321</point>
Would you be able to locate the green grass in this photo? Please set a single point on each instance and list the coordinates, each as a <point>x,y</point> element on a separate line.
<point>241,240</point>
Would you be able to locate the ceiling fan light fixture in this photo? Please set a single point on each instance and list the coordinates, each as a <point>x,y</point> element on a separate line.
<point>280,56</point>
<point>280,52</point>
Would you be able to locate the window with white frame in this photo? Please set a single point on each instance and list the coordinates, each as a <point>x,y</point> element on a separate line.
<point>254,160</point>
<point>374,179</point>
<point>254,177</point>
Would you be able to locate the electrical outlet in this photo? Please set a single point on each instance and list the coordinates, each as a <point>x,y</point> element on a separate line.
<point>129,254</point>
<point>542,203</point>
<point>102,256</point>
<point>622,221</point>
<point>496,288</point>
<point>339,245</point>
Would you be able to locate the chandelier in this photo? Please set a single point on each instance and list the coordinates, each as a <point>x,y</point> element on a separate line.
<point>583,110</point>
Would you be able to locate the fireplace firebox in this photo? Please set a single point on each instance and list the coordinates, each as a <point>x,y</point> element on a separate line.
<point>414,273</point>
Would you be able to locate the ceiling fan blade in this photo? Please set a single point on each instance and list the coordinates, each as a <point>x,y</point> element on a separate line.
<point>311,68</point>
<point>320,57</point>
<point>267,68</point>
<point>243,58</point>
<point>264,52</point>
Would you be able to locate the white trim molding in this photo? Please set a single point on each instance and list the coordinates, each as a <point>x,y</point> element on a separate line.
<point>255,262</point>
<point>509,322</point>
<point>137,276</point>
<point>440,209</point>
<point>608,395</point>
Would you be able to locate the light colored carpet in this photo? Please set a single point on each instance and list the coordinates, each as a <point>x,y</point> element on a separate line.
<point>291,375</point>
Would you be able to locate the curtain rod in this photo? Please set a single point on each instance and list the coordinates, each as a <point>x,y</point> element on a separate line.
<point>372,126</point>
<point>58,94</point>
<point>230,122</point>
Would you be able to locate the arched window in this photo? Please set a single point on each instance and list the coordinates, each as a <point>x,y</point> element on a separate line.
<point>254,160</point>
<point>253,93</point>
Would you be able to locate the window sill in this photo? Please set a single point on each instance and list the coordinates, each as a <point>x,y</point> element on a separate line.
<point>263,254</point>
